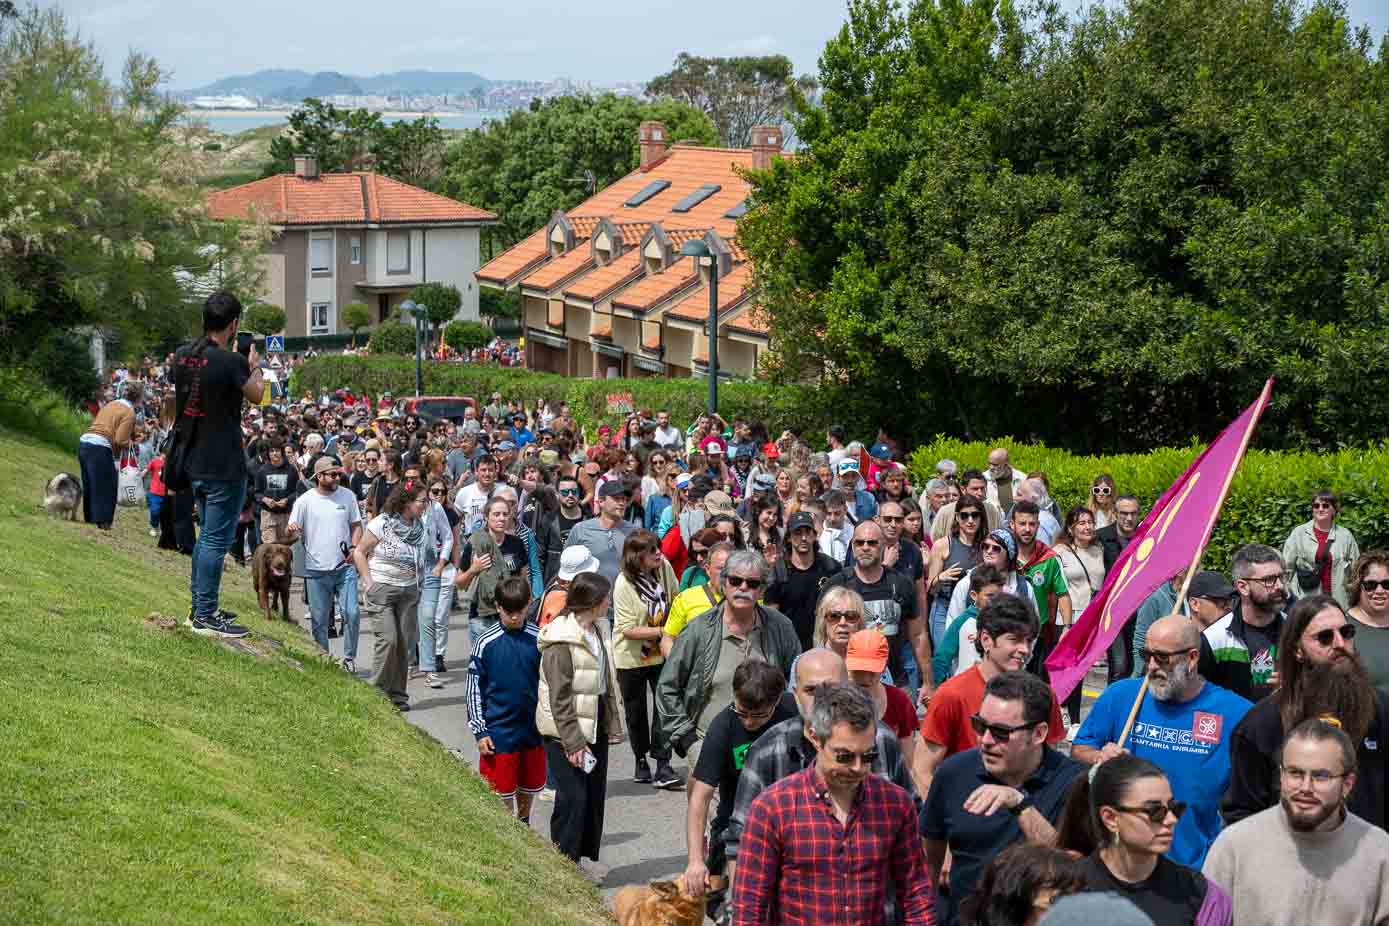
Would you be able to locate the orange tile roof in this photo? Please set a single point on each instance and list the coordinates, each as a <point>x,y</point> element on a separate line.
<point>598,283</point>
<point>517,260</point>
<point>750,319</point>
<point>339,199</point>
<point>657,287</point>
<point>687,167</point>
<point>559,269</point>
<point>732,290</point>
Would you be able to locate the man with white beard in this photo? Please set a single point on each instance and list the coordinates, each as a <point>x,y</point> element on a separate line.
<point>1183,727</point>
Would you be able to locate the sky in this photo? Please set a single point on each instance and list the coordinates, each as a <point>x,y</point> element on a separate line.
<point>202,40</point>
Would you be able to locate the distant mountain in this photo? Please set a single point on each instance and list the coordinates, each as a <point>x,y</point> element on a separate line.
<point>293,85</point>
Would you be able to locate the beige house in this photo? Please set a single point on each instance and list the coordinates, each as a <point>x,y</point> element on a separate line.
<point>355,237</point>
<point>604,290</point>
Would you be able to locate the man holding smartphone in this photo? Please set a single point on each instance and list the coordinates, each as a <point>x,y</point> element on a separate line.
<point>210,381</point>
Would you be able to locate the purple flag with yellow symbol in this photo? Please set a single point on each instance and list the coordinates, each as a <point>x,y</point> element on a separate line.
<point>1165,543</point>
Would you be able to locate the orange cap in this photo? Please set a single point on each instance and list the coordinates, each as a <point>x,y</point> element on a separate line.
<point>867,652</point>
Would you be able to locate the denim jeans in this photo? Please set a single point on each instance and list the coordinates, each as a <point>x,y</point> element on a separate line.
<point>219,508</point>
<point>325,585</point>
<point>939,623</point>
<point>155,502</point>
<point>434,620</point>
<point>429,600</point>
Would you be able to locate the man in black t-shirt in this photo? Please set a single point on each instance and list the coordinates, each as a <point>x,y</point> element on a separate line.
<point>797,577</point>
<point>760,702</point>
<point>570,511</point>
<point>889,600</point>
<point>210,381</point>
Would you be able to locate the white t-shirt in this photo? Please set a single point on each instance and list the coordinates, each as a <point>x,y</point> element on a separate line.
<point>326,522</point>
<point>468,503</point>
<point>669,436</point>
<point>393,562</point>
<point>959,599</point>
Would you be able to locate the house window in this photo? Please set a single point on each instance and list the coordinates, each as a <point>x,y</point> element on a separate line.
<point>398,252</point>
<point>318,318</point>
<point>321,255</point>
<point>356,247</point>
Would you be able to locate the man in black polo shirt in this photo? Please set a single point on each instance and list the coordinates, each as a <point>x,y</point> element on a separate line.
<point>797,577</point>
<point>1009,788</point>
<point>889,598</point>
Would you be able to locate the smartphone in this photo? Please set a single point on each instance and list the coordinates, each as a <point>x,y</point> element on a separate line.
<point>244,341</point>
<point>590,762</point>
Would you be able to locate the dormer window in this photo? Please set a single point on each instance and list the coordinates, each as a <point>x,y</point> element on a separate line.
<point>603,249</point>
<point>556,241</point>
<point>654,256</point>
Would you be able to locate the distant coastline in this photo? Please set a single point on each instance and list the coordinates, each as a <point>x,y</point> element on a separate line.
<point>285,113</point>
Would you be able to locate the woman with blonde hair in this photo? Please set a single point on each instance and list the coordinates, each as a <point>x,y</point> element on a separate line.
<point>1101,501</point>
<point>838,616</point>
<point>642,596</point>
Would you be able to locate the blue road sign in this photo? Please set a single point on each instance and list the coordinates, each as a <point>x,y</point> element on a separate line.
<point>274,344</point>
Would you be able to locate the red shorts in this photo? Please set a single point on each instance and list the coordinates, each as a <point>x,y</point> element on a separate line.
<point>508,772</point>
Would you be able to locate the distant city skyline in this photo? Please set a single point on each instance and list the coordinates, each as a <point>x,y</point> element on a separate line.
<point>201,41</point>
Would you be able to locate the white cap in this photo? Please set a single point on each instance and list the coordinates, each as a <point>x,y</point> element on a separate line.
<point>575,561</point>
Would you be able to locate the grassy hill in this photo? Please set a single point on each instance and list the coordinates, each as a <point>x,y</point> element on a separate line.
<point>153,776</point>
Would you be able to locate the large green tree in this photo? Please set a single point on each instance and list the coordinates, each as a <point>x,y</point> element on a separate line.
<point>1106,233</point>
<point>359,139</point>
<point>535,161</point>
<point>735,93</point>
<point>102,220</point>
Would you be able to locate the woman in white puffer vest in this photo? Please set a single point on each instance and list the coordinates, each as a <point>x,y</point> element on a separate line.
<point>578,712</point>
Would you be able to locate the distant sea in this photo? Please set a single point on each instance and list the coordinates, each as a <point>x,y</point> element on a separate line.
<point>232,123</point>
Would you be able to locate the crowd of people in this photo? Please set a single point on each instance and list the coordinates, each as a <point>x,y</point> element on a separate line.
<point>848,663</point>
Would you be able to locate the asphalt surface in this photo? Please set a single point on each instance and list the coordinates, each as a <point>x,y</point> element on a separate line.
<point>644,826</point>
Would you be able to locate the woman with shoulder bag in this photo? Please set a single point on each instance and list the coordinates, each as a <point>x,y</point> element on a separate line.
<point>576,713</point>
<point>1317,555</point>
<point>390,560</point>
<point>642,597</point>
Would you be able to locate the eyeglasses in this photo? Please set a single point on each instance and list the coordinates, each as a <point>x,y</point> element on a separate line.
<point>1325,637</point>
<point>1000,732</point>
<point>1268,582</point>
<point>1156,812</point>
<point>751,582</point>
<point>1163,659</point>
<point>1319,777</point>
<point>843,617</point>
<point>967,516</point>
<point>754,715</point>
<point>848,757</point>
<point>1101,490</point>
<point>867,543</point>
<point>1370,585</point>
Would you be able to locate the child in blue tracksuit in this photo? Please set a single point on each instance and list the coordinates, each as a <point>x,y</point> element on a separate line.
<point>503,691</point>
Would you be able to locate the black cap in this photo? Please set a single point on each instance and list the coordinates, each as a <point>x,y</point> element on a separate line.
<point>612,488</point>
<point>798,520</point>
<point>1211,585</point>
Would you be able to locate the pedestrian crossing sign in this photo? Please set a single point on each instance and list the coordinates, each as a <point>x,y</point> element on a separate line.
<point>274,344</point>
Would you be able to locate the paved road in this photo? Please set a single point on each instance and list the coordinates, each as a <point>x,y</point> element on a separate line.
<point>643,833</point>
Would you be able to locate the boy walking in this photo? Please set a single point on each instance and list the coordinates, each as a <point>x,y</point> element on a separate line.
<point>503,691</point>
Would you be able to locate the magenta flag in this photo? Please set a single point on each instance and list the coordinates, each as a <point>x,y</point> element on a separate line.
<point>1165,543</point>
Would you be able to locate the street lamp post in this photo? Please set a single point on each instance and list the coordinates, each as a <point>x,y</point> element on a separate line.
<point>416,313</point>
<point>697,249</point>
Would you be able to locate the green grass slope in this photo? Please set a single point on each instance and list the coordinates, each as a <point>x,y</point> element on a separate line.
<point>153,776</point>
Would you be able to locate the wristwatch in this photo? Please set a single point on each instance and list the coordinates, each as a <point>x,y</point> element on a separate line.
<point>1022,805</point>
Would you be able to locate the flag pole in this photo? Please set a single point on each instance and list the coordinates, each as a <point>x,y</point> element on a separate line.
<point>1201,549</point>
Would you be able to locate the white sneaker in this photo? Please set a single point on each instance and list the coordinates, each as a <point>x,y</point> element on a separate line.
<point>433,680</point>
<point>154,532</point>
<point>349,667</point>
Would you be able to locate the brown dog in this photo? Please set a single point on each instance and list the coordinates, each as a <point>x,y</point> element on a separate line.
<point>664,903</point>
<point>271,571</point>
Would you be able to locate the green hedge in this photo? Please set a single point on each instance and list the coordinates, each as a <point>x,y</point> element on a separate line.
<point>39,412</point>
<point>685,399</point>
<point>1271,494</point>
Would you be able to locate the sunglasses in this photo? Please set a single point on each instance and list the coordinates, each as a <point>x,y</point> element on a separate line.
<point>744,581</point>
<point>1163,659</point>
<point>993,548</point>
<point>1156,812</point>
<point>967,516</point>
<point>843,617</point>
<point>1318,506</point>
<point>1101,490</point>
<point>1000,732</point>
<point>1370,585</point>
<point>569,492</point>
<point>848,758</point>
<point>439,492</point>
<point>867,543</point>
<point>889,519</point>
<point>698,552</point>
<point>1326,637</point>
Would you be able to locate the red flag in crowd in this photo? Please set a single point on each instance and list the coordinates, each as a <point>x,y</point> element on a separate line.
<point>1168,541</point>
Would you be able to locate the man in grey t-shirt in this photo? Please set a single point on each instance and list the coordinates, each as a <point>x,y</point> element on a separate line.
<point>329,523</point>
<point>605,535</point>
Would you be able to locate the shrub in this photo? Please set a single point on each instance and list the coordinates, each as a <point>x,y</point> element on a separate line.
<point>1271,494</point>
<point>63,362</point>
<point>33,409</point>
<point>467,335</point>
<point>263,318</point>
<point>393,337</point>
<point>355,317</point>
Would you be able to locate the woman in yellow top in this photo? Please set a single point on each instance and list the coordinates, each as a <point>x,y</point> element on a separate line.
<point>642,598</point>
<point>693,602</point>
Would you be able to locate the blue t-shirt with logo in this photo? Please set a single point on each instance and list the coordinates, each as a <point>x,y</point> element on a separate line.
<point>1190,742</point>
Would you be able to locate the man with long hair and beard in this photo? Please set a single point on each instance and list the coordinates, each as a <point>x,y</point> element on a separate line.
<point>1322,676</point>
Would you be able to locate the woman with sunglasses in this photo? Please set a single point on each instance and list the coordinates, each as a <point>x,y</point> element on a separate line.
<point>1133,816</point>
<point>951,560</point>
<point>436,592</point>
<point>653,480</point>
<point>696,573</point>
<point>1368,590</point>
<point>838,616</point>
<point>1101,501</point>
<point>1317,555</point>
<point>998,549</point>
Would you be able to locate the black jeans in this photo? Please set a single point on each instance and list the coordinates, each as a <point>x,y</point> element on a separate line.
<point>576,825</point>
<point>1119,658</point>
<point>643,726</point>
<point>98,468</point>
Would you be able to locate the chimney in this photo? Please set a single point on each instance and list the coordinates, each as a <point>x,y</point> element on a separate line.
<point>306,167</point>
<point>652,136</point>
<point>766,144</point>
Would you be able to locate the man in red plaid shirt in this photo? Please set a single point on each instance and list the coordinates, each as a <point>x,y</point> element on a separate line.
<point>826,845</point>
